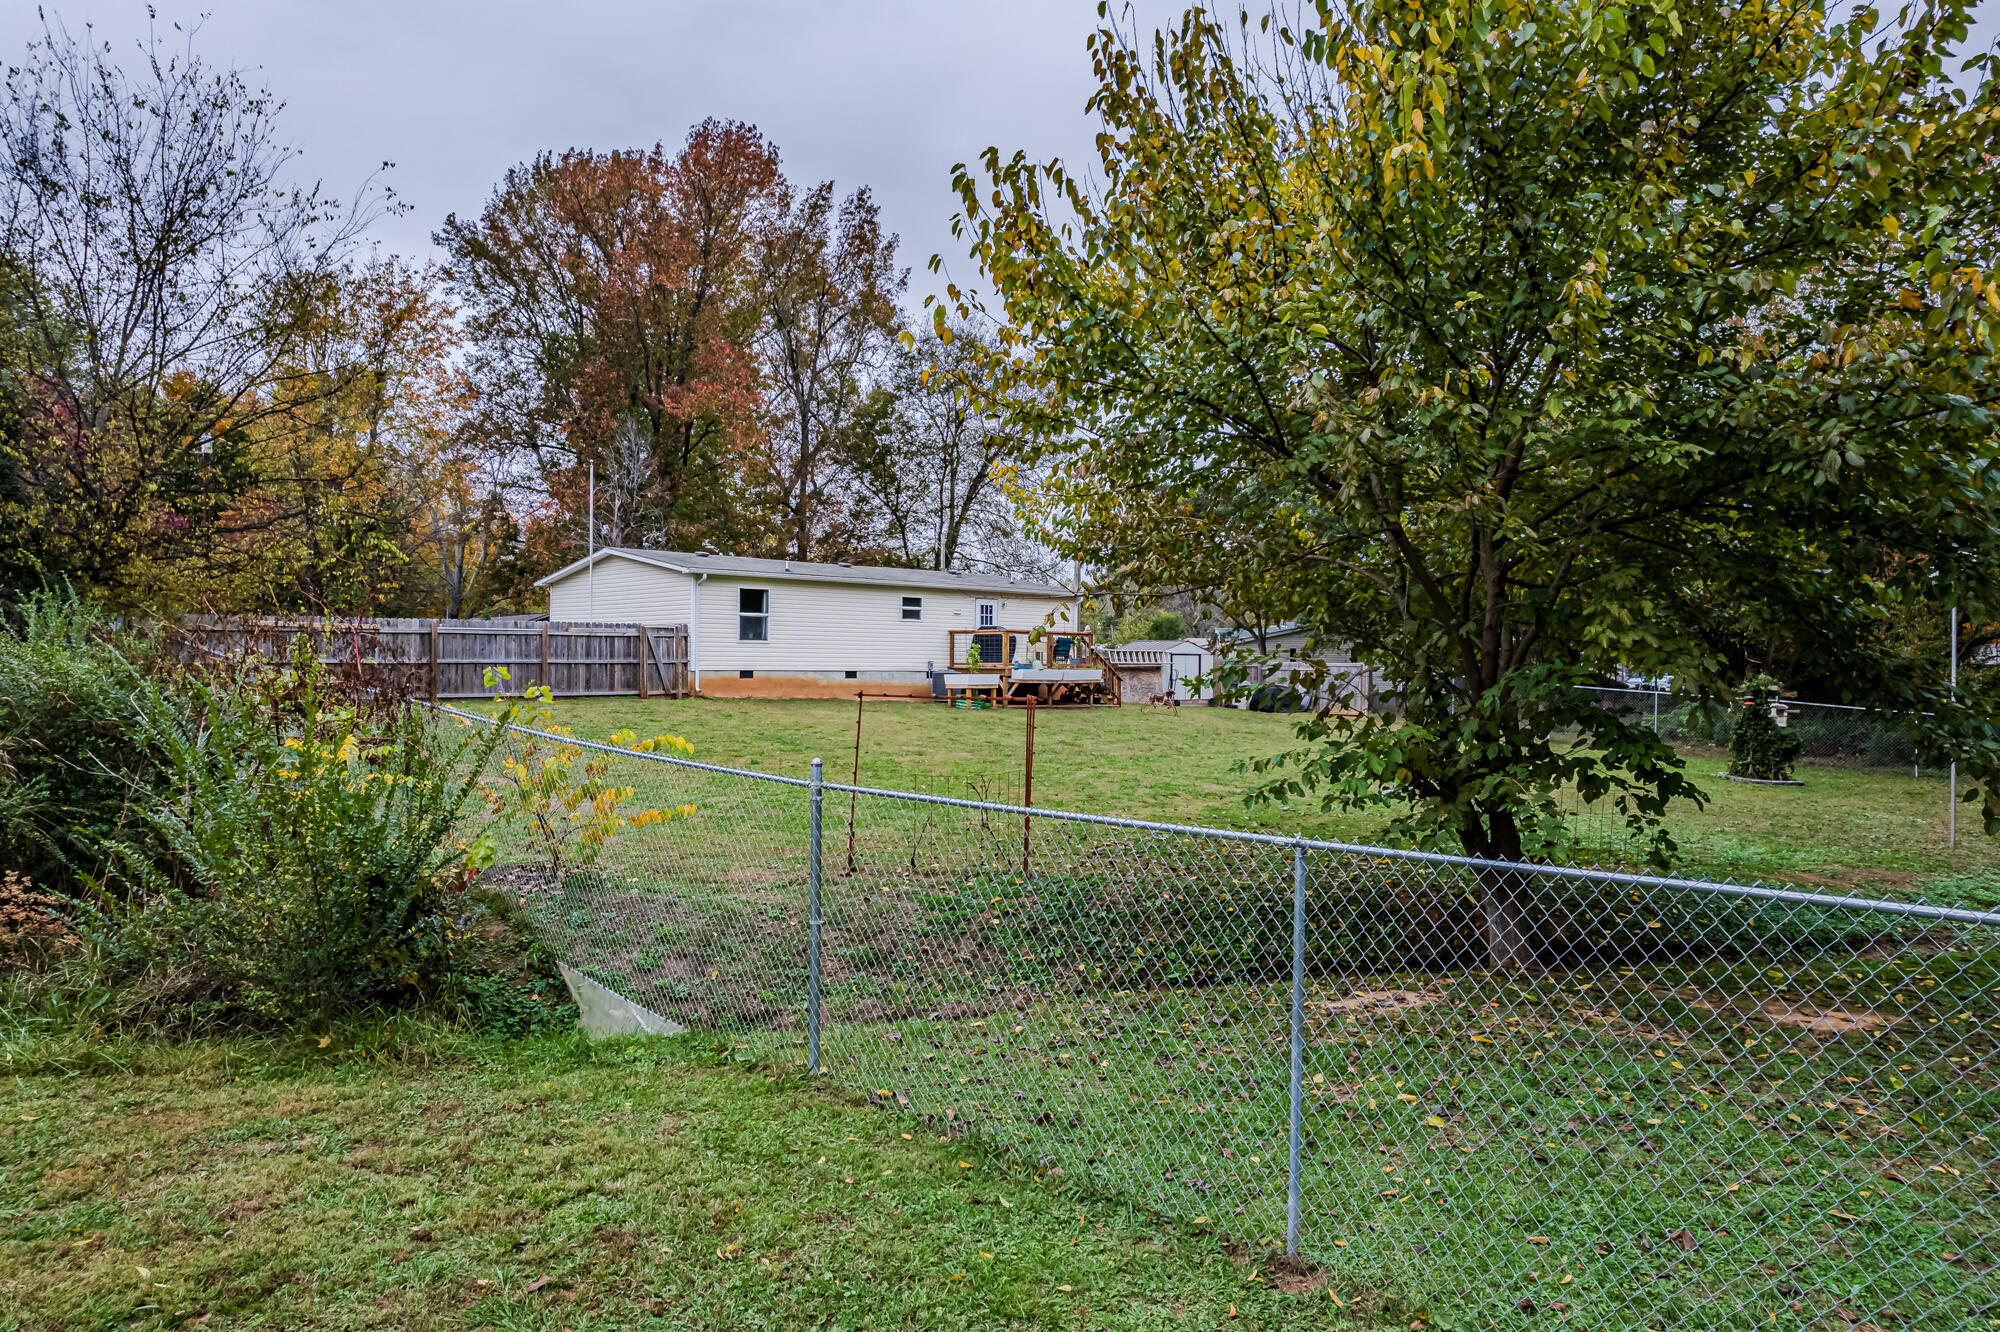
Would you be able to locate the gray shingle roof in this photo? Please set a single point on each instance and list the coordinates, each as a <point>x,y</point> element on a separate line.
<point>686,561</point>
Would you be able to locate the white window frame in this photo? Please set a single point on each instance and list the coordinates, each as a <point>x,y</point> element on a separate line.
<point>745,617</point>
<point>913,608</point>
<point>987,614</point>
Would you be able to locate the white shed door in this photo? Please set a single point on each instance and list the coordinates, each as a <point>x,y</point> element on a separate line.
<point>1181,668</point>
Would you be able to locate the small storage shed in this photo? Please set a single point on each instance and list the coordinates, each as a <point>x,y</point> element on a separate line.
<point>1163,667</point>
<point>1348,684</point>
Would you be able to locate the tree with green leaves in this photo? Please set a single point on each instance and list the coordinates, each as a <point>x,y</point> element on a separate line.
<point>159,274</point>
<point>1518,343</point>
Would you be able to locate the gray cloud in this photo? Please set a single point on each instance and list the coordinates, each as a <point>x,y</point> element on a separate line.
<point>886,93</point>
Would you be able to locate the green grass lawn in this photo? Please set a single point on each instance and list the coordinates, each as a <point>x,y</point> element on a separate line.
<point>1092,1062</point>
<point>1854,829</point>
<point>547,1184</point>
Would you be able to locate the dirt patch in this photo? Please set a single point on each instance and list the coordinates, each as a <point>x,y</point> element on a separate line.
<point>1295,1276</point>
<point>1826,1022</point>
<point>1382,1001</point>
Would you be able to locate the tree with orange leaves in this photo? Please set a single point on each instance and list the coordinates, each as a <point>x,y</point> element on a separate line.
<point>611,308</point>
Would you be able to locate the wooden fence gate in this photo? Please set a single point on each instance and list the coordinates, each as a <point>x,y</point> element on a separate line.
<point>447,659</point>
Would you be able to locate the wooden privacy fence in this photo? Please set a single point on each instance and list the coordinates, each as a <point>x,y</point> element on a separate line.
<point>449,658</point>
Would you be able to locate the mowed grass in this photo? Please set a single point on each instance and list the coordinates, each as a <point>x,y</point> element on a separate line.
<point>554,1183</point>
<point>1853,829</point>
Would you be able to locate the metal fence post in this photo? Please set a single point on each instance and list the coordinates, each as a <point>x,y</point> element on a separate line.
<point>1297,1142</point>
<point>813,923</point>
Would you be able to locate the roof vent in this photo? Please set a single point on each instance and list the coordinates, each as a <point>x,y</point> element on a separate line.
<point>788,566</point>
<point>845,564</point>
<point>702,553</point>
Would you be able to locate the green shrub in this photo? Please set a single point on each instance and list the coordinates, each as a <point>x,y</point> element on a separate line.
<point>320,871</point>
<point>1758,747</point>
<point>77,771</point>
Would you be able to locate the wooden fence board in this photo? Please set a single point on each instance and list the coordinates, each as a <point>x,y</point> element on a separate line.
<point>448,659</point>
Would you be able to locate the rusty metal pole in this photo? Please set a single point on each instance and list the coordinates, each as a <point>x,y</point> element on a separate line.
<point>860,698</point>
<point>1028,792</point>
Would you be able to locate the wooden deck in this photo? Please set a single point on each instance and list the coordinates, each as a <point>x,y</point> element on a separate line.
<point>1070,670</point>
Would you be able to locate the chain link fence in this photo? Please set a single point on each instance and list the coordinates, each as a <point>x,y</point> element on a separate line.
<point>1515,1096</point>
<point>1829,733</point>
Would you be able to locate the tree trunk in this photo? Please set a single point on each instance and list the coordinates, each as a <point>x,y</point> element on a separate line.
<point>1503,897</point>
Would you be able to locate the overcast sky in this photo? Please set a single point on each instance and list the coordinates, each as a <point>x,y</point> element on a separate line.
<point>887,93</point>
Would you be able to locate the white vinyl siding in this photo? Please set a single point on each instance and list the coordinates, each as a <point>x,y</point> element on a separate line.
<point>813,627</point>
<point>628,592</point>
<point>834,627</point>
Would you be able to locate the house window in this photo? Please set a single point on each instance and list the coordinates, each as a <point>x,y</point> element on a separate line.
<point>753,619</point>
<point>913,608</point>
<point>985,615</point>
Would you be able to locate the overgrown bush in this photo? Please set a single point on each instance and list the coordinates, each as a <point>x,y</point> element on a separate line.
<point>1758,747</point>
<point>319,869</point>
<point>77,770</point>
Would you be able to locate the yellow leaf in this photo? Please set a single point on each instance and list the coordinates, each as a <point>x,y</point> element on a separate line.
<point>325,1041</point>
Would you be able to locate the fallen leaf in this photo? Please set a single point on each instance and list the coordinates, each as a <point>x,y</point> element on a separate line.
<point>1065,1289</point>
<point>1538,1239</point>
<point>325,1041</point>
<point>965,1165</point>
<point>1685,1242</point>
<point>1232,1311</point>
<point>538,1283</point>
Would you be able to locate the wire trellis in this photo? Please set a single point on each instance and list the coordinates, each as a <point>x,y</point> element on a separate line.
<point>1517,1093</point>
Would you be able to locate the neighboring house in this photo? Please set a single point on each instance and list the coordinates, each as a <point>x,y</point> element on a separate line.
<point>786,629</point>
<point>1163,667</point>
<point>1349,681</point>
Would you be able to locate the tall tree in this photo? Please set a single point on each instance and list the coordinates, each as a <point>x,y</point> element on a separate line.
<point>167,270</point>
<point>933,469</point>
<point>611,304</point>
<point>1521,341</point>
<point>829,284</point>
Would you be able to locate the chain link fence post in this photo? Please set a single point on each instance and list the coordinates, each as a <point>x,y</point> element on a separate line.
<point>813,921</point>
<point>1297,1139</point>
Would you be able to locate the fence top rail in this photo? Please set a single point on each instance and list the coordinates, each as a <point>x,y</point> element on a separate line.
<point>1689,698</point>
<point>1756,891</point>
<point>602,748</point>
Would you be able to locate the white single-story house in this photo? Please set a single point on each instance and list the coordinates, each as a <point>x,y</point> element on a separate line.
<point>1157,667</point>
<point>788,629</point>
